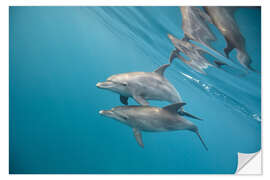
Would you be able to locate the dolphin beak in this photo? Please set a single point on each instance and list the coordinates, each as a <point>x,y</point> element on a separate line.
<point>101,112</point>
<point>170,37</point>
<point>107,113</point>
<point>104,85</point>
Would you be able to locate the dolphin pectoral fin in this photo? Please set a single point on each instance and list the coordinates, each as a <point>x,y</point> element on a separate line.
<point>124,100</point>
<point>183,113</point>
<point>228,49</point>
<point>138,136</point>
<point>140,100</point>
<point>204,145</point>
<point>161,69</point>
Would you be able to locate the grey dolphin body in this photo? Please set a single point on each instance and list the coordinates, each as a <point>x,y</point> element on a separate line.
<point>151,119</point>
<point>223,18</point>
<point>194,25</point>
<point>142,86</point>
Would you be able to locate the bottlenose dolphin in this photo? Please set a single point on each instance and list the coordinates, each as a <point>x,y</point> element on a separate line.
<point>194,25</point>
<point>224,20</point>
<point>143,86</point>
<point>152,119</point>
<point>196,61</point>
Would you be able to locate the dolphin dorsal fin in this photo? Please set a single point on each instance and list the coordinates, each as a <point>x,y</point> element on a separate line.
<point>174,107</point>
<point>161,69</point>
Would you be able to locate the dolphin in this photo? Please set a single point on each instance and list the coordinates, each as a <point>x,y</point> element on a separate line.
<point>143,86</point>
<point>224,20</point>
<point>196,61</point>
<point>152,119</point>
<point>194,25</point>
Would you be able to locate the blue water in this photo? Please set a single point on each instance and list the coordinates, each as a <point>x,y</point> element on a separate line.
<point>58,54</point>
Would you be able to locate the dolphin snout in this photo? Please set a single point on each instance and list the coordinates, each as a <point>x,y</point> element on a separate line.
<point>99,84</point>
<point>105,84</point>
<point>170,37</point>
<point>107,113</point>
<point>101,112</point>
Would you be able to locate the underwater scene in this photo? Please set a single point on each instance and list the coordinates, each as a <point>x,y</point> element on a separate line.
<point>133,90</point>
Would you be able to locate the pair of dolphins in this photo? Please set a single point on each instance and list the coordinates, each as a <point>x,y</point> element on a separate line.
<point>143,86</point>
<point>195,27</point>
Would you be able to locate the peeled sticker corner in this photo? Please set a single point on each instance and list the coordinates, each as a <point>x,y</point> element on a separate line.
<point>249,163</point>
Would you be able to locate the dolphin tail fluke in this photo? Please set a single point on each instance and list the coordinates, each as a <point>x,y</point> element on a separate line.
<point>183,113</point>
<point>204,145</point>
<point>229,47</point>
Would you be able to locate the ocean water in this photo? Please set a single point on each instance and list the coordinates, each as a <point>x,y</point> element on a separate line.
<point>58,54</point>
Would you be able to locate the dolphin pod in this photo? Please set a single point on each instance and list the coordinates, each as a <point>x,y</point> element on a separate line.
<point>152,119</point>
<point>143,86</point>
<point>195,27</point>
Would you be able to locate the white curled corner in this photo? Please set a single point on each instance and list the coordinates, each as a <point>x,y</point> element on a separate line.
<point>249,163</point>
